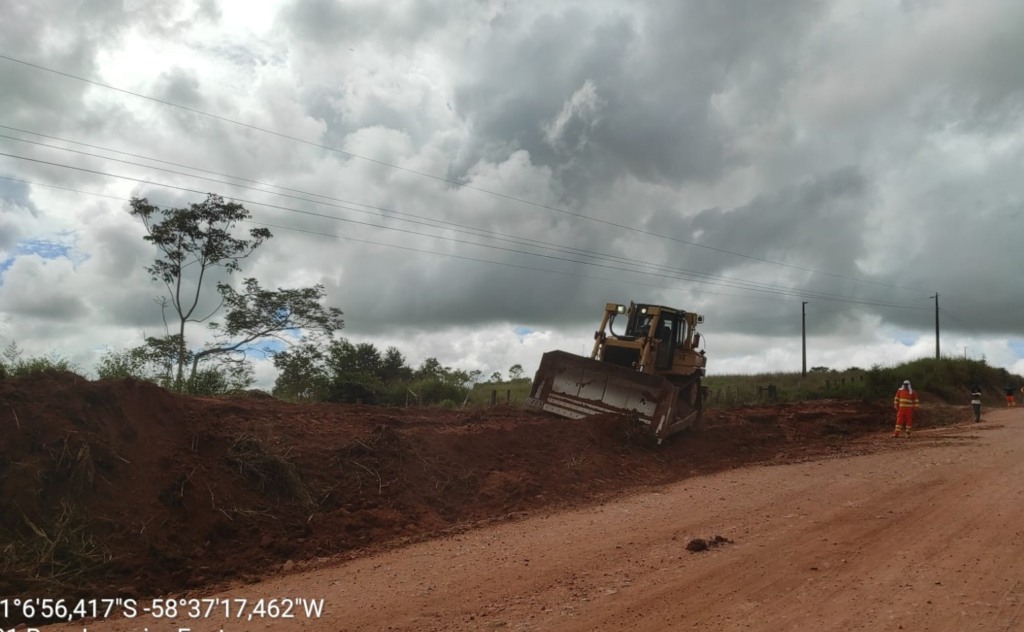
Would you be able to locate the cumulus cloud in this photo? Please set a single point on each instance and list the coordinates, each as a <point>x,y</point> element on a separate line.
<point>466,168</point>
<point>22,298</point>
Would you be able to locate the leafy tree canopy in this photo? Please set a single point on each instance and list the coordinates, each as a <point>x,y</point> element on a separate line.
<point>194,242</point>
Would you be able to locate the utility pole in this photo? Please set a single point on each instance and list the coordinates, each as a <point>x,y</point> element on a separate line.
<point>936,297</point>
<point>803,328</point>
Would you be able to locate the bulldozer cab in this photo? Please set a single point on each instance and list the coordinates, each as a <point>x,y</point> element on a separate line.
<point>657,339</point>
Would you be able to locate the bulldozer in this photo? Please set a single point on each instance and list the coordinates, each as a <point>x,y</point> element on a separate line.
<point>651,369</point>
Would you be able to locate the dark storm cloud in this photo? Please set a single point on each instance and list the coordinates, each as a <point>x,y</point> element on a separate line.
<point>993,78</point>
<point>816,224</point>
<point>761,259</point>
<point>968,251</point>
<point>655,72</point>
<point>668,93</point>
<point>463,293</point>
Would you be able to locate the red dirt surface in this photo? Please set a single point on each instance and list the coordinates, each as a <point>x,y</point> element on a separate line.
<point>122,489</point>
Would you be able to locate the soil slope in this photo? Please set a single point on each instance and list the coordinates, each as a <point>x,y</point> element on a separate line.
<point>121,489</point>
<point>919,535</point>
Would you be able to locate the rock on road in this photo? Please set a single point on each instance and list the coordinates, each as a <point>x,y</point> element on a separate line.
<point>922,535</point>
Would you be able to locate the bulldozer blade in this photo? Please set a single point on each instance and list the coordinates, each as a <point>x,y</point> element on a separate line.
<point>575,387</point>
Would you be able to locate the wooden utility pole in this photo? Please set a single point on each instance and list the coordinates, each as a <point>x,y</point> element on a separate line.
<point>936,297</point>
<point>803,329</point>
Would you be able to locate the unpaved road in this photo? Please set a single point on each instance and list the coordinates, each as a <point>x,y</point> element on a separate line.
<point>926,536</point>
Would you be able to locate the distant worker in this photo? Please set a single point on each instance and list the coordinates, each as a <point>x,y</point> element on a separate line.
<point>904,403</point>
<point>976,402</point>
<point>1011,401</point>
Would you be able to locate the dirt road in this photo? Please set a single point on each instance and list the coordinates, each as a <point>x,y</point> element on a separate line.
<point>927,536</point>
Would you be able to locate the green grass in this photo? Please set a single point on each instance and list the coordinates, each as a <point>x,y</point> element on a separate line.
<point>947,380</point>
<point>732,390</point>
<point>514,393</point>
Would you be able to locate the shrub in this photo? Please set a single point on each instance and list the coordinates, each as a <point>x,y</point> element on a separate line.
<point>14,365</point>
<point>435,391</point>
<point>130,363</point>
<point>352,392</point>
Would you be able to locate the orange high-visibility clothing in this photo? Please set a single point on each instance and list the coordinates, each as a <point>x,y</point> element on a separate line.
<point>905,402</point>
<point>905,398</point>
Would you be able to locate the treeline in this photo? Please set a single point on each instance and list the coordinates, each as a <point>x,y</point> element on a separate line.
<point>359,373</point>
<point>336,371</point>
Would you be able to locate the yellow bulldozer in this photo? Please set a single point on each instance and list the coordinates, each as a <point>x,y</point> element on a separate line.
<point>651,369</point>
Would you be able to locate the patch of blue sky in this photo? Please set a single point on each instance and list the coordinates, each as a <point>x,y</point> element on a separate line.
<point>265,349</point>
<point>45,248</point>
<point>272,346</point>
<point>522,331</point>
<point>259,350</point>
<point>1017,346</point>
<point>61,247</point>
<point>905,338</point>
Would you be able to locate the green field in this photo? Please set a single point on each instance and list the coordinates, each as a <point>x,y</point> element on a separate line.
<point>948,380</point>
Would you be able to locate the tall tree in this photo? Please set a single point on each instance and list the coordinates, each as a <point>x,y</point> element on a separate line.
<point>393,366</point>
<point>196,241</point>
<point>301,374</point>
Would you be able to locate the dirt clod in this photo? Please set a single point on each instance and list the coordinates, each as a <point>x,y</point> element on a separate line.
<point>697,545</point>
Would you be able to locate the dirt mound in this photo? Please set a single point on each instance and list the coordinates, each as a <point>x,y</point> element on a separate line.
<point>120,488</point>
<point>698,545</point>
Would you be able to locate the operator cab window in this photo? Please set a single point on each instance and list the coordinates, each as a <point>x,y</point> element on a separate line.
<point>680,327</point>
<point>641,325</point>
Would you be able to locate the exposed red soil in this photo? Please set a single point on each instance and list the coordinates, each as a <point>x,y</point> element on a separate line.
<point>119,488</point>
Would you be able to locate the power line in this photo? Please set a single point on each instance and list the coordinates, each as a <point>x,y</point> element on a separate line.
<point>392,214</point>
<point>436,177</point>
<point>388,245</point>
<point>311,213</point>
<point>308,231</point>
<point>728,281</point>
<point>734,285</point>
<point>815,312</point>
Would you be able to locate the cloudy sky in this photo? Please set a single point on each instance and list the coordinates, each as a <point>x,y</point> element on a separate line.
<point>474,179</point>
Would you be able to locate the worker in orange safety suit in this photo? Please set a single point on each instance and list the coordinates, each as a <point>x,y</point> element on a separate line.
<point>904,403</point>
